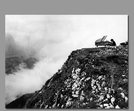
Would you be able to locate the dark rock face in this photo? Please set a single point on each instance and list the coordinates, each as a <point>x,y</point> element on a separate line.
<point>92,78</point>
<point>20,102</point>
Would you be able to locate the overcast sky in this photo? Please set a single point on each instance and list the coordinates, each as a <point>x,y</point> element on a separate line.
<point>51,38</point>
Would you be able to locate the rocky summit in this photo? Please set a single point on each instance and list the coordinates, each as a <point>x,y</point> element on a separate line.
<point>91,78</point>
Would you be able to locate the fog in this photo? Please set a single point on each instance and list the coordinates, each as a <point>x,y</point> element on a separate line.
<point>50,39</point>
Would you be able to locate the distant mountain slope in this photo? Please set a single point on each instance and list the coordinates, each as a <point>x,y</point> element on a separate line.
<point>13,64</point>
<point>93,78</point>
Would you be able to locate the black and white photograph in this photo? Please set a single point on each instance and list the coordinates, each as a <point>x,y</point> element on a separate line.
<point>66,62</point>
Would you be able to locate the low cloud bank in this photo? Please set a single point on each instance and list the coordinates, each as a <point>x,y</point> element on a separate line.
<point>42,38</point>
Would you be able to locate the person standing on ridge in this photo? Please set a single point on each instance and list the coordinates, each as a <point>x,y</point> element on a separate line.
<point>113,42</point>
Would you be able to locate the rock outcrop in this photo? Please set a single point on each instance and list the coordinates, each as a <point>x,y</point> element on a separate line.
<point>91,78</point>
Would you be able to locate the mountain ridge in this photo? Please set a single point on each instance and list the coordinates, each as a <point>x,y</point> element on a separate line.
<point>92,78</point>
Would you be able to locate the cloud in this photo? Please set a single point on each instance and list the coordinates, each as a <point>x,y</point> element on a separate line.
<point>12,48</point>
<point>28,81</point>
<point>41,38</point>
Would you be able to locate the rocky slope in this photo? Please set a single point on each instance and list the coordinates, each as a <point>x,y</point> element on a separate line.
<point>93,78</point>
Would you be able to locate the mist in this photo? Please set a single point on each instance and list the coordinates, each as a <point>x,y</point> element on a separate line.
<point>50,39</point>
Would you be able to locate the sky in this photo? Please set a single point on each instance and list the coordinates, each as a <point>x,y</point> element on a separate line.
<point>50,39</point>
